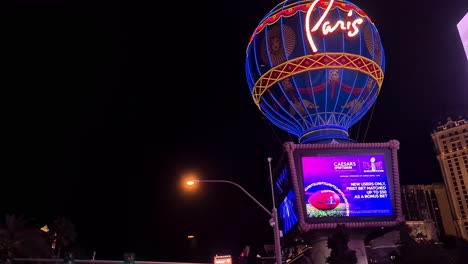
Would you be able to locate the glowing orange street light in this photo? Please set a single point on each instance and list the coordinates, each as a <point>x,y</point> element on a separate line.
<point>191,182</point>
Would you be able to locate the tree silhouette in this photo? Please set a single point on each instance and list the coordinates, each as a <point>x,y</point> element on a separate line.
<point>451,251</point>
<point>340,252</point>
<point>65,232</point>
<point>456,247</point>
<point>20,239</point>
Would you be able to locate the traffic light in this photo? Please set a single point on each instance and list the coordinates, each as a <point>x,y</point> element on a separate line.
<point>129,258</point>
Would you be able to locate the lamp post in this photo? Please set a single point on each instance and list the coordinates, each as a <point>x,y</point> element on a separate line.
<point>273,214</point>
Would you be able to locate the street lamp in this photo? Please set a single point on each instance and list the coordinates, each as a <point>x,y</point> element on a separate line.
<point>273,214</point>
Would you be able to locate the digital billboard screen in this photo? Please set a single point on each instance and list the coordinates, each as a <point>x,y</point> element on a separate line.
<point>355,183</point>
<point>284,194</point>
<point>222,259</point>
<point>287,213</point>
<point>346,186</point>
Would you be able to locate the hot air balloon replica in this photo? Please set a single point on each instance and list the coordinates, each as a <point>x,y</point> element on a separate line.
<point>314,68</point>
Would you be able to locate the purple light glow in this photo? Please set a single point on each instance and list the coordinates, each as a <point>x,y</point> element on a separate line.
<point>463,30</point>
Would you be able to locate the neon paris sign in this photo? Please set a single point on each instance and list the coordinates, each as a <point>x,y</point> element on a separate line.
<point>350,27</point>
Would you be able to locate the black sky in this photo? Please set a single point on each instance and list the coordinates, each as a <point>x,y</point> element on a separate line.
<point>108,104</point>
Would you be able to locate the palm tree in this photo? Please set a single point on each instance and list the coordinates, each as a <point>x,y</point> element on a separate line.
<point>19,239</point>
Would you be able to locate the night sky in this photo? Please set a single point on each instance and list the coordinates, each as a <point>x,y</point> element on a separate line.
<point>107,105</point>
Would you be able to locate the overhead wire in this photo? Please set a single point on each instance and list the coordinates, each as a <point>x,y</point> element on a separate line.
<point>368,122</point>
<point>277,137</point>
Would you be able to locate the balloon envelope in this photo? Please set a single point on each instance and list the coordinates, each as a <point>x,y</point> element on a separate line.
<point>314,68</point>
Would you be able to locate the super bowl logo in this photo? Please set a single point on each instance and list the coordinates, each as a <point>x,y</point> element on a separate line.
<point>373,165</point>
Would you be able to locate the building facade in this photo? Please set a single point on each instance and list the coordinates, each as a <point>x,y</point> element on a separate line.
<point>423,231</point>
<point>448,228</point>
<point>420,204</point>
<point>451,146</point>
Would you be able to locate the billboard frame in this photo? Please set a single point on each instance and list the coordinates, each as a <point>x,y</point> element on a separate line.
<point>291,149</point>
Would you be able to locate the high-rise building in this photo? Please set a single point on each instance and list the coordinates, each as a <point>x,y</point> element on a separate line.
<point>419,203</point>
<point>451,146</point>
